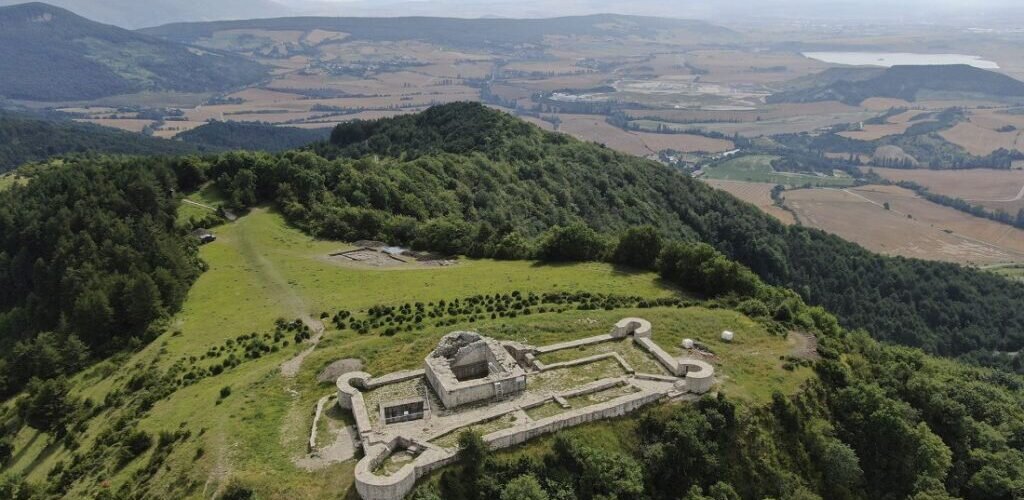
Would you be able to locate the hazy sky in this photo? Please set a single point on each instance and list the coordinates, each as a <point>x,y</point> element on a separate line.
<point>953,11</point>
<point>139,13</point>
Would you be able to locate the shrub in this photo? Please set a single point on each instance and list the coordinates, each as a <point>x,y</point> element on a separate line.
<point>575,243</point>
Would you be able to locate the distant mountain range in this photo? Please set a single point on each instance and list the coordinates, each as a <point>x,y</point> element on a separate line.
<point>134,14</point>
<point>51,54</point>
<point>854,85</point>
<point>455,31</point>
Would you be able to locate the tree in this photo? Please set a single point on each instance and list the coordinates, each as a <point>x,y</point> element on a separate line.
<point>473,454</point>
<point>92,315</point>
<point>142,303</point>
<point>48,405</point>
<point>524,487</point>
<point>574,243</point>
<point>243,189</point>
<point>448,235</point>
<point>638,247</point>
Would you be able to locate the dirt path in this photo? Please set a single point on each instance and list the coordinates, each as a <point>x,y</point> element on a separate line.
<point>342,446</point>
<point>290,300</point>
<point>197,204</point>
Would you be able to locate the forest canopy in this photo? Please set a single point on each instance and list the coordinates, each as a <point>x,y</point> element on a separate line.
<point>462,178</point>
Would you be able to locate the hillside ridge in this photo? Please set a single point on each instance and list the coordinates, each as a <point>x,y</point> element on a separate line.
<point>853,85</point>
<point>52,54</point>
<point>445,29</point>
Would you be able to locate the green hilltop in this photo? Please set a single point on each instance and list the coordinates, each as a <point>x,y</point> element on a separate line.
<point>138,364</point>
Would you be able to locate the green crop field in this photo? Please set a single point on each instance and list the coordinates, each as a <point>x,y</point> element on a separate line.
<point>758,168</point>
<point>260,269</point>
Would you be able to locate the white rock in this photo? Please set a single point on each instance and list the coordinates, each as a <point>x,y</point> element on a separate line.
<point>727,336</point>
<point>687,343</point>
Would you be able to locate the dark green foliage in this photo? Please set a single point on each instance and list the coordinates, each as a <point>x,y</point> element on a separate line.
<point>88,250</point>
<point>886,423</point>
<point>251,136</point>
<point>524,487</point>
<point>48,405</point>
<point>701,268</point>
<point>6,449</point>
<point>575,243</point>
<point>25,138</point>
<point>638,247</point>
<point>137,444</point>
<point>14,487</point>
<point>572,468</point>
<point>51,54</point>
<point>493,175</point>
<point>237,491</point>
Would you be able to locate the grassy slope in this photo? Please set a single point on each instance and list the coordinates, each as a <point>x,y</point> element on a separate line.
<point>758,168</point>
<point>8,180</point>
<point>261,269</point>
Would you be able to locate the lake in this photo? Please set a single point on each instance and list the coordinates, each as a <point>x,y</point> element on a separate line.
<point>889,59</point>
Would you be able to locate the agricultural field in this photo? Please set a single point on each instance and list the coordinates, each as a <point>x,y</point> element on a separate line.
<point>758,168</point>
<point>993,189</point>
<point>596,129</point>
<point>128,124</point>
<point>756,193</point>
<point>911,226</point>
<point>894,125</point>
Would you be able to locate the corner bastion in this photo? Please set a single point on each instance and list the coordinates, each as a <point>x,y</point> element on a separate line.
<point>408,422</point>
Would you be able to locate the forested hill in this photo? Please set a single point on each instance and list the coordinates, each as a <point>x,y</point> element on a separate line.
<point>463,178</point>
<point>51,54</point>
<point>25,138</point>
<point>251,136</point>
<point>90,257</point>
<point>853,86</point>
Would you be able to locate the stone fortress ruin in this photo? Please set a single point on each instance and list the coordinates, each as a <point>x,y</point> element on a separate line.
<point>408,422</point>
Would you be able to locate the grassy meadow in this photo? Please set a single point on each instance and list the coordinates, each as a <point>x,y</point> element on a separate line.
<point>260,270</point>
<point>758,168</point>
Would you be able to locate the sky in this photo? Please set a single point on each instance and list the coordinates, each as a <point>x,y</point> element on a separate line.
<point>954,12</point>
<point>140,13</point>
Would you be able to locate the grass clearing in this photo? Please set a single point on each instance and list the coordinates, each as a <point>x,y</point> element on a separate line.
<point>451,439</point>
<point>548,409</point>
<point>594,398</point>
<point>261,269</point>
<point>640,360</point>
<point>758,168</point>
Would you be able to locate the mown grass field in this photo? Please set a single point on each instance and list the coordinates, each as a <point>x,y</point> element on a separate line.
<point>758,168</point>
<point>260,269</point>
